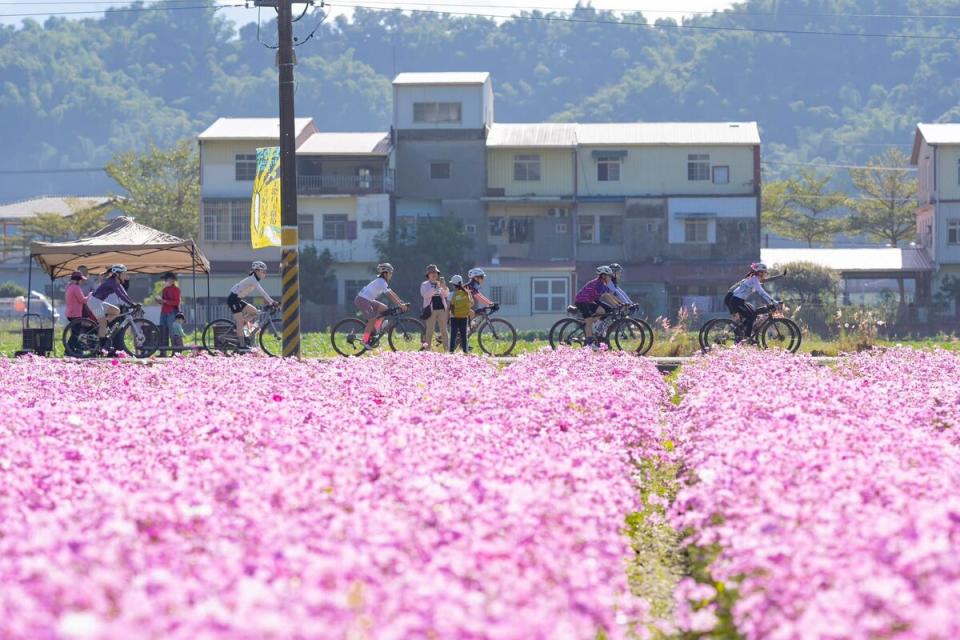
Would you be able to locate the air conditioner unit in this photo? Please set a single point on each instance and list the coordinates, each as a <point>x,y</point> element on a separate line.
<point>556,212</point>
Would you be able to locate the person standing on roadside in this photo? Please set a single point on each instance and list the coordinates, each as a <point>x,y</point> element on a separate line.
<point>170,304</point>
<point>434,292</point>
<point>461,310</point>
<point>75,306</point>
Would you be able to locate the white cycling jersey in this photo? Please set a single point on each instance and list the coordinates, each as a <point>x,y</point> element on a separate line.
<point>249,285</point>
<point>374,290</point>
<point>751,285</point>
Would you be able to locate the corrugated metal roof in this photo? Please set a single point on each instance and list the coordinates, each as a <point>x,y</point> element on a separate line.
<point>541,134</point>
<point>250,129</point>
<point>661,133</point>
<point>940,133</point>
<point>376,143</point>
<point>866,259</point>
<point>457,77</point>
<point>61,205</point>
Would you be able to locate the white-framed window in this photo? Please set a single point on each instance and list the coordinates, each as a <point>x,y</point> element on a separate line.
<point>226,220</point>
<point>305,227</point>
<point>698,166</point>
<point>439,170</point>
<point>586,231</point>
<point>506,295</point>
<point>562,229</point>
<point>335,226</point>
<point>549,295</point>
<point>695,231</point>
<point>608,169</point>
<point>239,221</point>
<point>721,174</point>
<point>953,232</point>
<point>436,112</point>
<point>470,228</point>
<point>245,167</point>
<point>526,168</point>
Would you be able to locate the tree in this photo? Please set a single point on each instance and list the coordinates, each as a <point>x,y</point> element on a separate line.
<point>806,282</point>
<point>11,290</point>
<point>439,241</point>
<point>802,208</point>
<point>163,187</point>
<point>886,208</point>
<point>318,280</point>
<point>53,227</point>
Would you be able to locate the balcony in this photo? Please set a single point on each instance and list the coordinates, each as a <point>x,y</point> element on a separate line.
<point>317,185</point>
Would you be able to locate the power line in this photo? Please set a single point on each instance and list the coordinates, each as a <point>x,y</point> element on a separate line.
<point>118,10</point>
<point>836,166</point>
<point>660,25</point>
<point>16,172</point>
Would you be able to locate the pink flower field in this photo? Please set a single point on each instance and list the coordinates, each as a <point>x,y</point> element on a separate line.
<point>432,496</point>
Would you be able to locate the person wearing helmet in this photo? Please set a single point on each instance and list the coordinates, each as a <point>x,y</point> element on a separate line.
<point>594,299</point>
<point>243,312</point>
<point>615,289</point>
<point>366,301</point>
<point>476,276</point>
<point>461,308</point>
<point>749,286</point>
<point>103,310</point>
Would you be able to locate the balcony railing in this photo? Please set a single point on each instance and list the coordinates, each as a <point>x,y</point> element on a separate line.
<point>348,185</point>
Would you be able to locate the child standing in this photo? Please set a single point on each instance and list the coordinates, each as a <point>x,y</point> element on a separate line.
<point>461,308</point>
<point>177,333</point>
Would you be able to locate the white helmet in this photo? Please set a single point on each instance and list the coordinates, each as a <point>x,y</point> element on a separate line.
<point>384,267</point>
<point>118,268</point>
<point>604,270</point>
<point>476,272</point>
<point>456,280</point>
<point>258,265</point>
<point>758,266</point>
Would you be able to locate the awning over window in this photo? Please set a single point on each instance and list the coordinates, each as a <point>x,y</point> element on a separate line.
<point>609,154</point>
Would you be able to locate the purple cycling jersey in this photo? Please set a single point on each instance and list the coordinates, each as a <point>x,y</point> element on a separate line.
<point>592,291</point>
<point>112,285</point>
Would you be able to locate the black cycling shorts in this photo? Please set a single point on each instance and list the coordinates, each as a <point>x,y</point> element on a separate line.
<point>236,303</point>
<point>587,309</point>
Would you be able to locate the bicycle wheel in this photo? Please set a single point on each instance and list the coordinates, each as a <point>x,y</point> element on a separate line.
<point>780,333</point>
<point>647,336</point>
<point>142,342</point>
<point>220,336</point>
<point>628,335</point>
<point>271,340</point>
<point>554,337</point>
<point>406,334</point>
<point>86,343</point>
<point>572,334</point>
<point>497,337</point>
<point>347,337</point>
<point>719,332</point>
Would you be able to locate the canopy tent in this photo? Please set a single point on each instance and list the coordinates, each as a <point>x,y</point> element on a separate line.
<point>141,248</point>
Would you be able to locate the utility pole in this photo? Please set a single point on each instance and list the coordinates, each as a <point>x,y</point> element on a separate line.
<point>289,240</point>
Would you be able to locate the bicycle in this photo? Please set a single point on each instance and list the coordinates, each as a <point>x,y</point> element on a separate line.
<point>770,331</point>
<point>616,328</point>
<point>220,335</point>
<point>403,333</point>
<point>140,337</point>
<point>496,336</point>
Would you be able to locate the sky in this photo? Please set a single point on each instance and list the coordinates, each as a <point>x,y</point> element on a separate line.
<point>652,8</point>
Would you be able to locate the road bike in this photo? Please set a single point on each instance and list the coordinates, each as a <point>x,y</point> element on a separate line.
<point>770,331</point>
<point>403,333</point>
<point>138,336</point>
<point>496,336</point>
<point>220,336</point>
<point>616,328</point>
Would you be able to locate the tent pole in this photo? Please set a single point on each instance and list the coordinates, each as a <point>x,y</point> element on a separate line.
<point>193,268</point>
<point>29,282</point>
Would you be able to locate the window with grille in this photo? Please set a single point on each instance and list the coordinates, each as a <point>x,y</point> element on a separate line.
<point>506,295</point>
<point>698,166</point>
<point>549,295</point>
<point>695,231</point>
<point>439,170</point>
<point>436,112</point>
<point>953,232</point>
<point>245,167</point>
<point>608,169</point>
<point>496,225</point>
<point>335,226</point>
<point>520,230</point>
<point>721,175</point>
<point>239,221</point>
<point>305,228</point>
<point>526,168</point>
<point>216,221</point>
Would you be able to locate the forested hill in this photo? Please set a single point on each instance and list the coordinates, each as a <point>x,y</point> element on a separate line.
<point>72,93</point>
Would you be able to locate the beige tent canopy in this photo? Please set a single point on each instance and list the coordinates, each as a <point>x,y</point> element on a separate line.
<point>141,248</point>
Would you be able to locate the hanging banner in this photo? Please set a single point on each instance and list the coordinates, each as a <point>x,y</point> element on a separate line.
<point>265,208</point>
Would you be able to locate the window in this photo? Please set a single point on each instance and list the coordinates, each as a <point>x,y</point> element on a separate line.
<point>239,221</point>
<point>439,170</point>
<point>721,175</point>
<point>305,227</point>
<point>335,226</point>
<point>364,178</point>
<point>611,229</point>
<point>585,230</point>
<point>351,288</point>
<point>549,295</point>
<point>470,228</point>
<point>435,112</point>
<point>526,168</point>
<point>506,295</point>
<point>226,220</point>
<point>698,166</point>
<point>371,224</point>
<point>562,229</point>
<point>958,171</point>
<point>608,169</point>
<point>245,167</point>
<point>953,232</point>
<point>695,231</point>
<point>520,230</point>
<point>496,226</point>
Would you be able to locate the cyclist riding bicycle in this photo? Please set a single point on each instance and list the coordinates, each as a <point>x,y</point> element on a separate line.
<point>614,285</point>
<point>366,301</point>
<point>480,301</point>
<point>738,294</point>
<point>243,312</point>
<point>104,311</point>
<point>594,299</point>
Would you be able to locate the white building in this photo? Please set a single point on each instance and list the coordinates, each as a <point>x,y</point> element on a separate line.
<point>936,154</point>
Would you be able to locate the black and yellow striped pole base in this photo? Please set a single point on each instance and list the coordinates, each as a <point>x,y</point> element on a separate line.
<point>290,300</point>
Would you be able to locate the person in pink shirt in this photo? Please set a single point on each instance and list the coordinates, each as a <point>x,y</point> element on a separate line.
<point>76,305</point>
